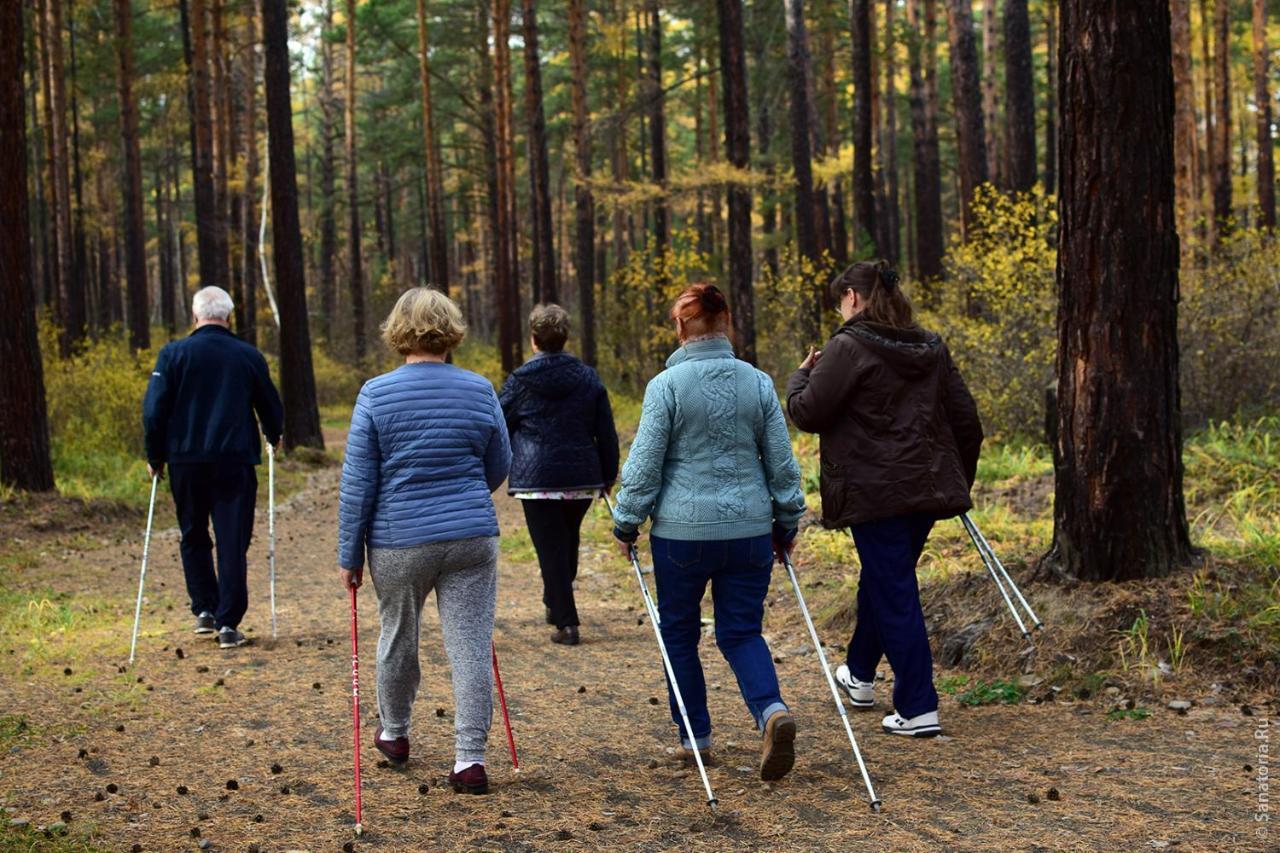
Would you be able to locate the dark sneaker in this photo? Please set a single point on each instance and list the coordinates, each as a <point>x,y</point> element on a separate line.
<point>230,638</point>
<point>204,623</point>
<point>779,752</point>
<point>396,750</point>
<point>566,636</point>
<point>473,780</point>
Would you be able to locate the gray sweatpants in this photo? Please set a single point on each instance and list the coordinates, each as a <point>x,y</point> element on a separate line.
<point>464,574</point>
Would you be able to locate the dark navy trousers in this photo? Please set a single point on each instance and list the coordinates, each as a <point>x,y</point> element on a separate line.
<point>225,493</point>
<point>739,571</point>
<point>890,619</point>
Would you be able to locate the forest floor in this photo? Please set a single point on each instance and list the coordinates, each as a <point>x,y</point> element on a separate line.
<point>253,746</point>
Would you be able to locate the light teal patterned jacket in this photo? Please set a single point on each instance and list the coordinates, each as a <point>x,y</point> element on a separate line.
<point>712,458</point>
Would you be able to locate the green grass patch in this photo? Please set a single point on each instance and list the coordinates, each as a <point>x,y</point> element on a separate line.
<point>1117,714</point>
<point>77,839</point>
<point>14,730</point>
<point>992,693</point>
<point>952,684</point>
<point>1001,462</point>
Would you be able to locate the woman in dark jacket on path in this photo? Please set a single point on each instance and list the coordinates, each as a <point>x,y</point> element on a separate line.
<point>564,452</point>
<point>899,438</point>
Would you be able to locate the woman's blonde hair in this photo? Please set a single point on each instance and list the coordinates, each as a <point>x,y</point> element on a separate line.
<point>424,320</point>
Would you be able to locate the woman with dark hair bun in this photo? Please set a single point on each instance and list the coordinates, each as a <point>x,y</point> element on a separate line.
<point>712,466</point>
<point>899,437</point>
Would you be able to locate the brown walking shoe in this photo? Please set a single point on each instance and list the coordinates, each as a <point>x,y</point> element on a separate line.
<point>778,754</point>
<point>473,780</point>
<point>396,750</point>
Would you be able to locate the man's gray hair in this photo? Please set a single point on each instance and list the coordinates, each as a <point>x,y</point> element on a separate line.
<point>212,303</point>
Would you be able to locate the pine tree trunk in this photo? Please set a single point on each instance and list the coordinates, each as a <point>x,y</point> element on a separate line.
<point>355,269</point>
<point>970,132</point>
<point>889,145</point>
<point>164,251</point>
<point>1185,147</point>
<point>438,256</point>
<point>210,246</point>
<point>24,424</point>
<point>506,273</point>
<point>657,127</point>
<point>249,199</point>
<point>297,381</point>
<point>79,251</point>
<point>991,92</point>
<point>737,146</point>
<point>839,242</point>
<point>1210,160</point>
<point>135,239</point>
<point>1020,98</point>
<point>798,75</point>
<point>1051,99</point>
<point>1262,98</point>
<point>583,202</point>
<point>328,194</point>
<point>71,298</point>
<point>544,256</point>
<point>864,188</point>
<point>1118,503</point>
<point>925,157</point>
<point>1222,115</point>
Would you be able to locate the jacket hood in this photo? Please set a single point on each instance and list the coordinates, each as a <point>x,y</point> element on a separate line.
<point>553,375</point>
<point>911,351</point>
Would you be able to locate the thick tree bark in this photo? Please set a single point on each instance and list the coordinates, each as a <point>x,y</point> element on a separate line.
<point>438,256</point>
<point>991,92</point>
<point>328,195</point>
<point>544,257</point>
<point>1020,98</point>
<point>864,188</point>
<point>297,381</point>
<point>135,238</point>
<point>924,130</point>
<point>1051,99</point>
<point>1118,503</point>
<point>1222,114</point>
<point>355,270</point>
<point>970,132</point>
<point>24,423</point>
<point>889,139</point>
<point>737,147</point>
<point>798,75</point>
<point>583,202</point>
<point>1262,101</point>
<point>1185,147</point>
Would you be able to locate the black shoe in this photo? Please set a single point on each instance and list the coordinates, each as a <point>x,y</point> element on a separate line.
<point>204,623</point>
<point>566,636</point>
<point>230,638</point>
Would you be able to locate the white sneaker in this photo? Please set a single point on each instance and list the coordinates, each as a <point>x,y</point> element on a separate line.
<point>924,725</point>
<point>862,694</point>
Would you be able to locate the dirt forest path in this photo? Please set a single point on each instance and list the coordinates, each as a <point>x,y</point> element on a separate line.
<point>253,746</point>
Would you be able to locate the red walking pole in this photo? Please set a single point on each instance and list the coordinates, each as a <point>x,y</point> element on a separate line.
<point>355,703</point>
<point>502,700</point>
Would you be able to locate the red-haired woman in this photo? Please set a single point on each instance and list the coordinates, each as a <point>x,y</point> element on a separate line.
<point>712,466</point>
<point>899,437</point>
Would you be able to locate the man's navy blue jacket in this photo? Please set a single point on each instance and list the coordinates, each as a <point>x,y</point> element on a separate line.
<point>203,394</point>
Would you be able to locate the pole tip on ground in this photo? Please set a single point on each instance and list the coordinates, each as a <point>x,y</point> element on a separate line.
<point>1039,626</point>
<point>712,804</point>
<point>875,806</point>
<point>1026,635</point>
<point>359,829</point>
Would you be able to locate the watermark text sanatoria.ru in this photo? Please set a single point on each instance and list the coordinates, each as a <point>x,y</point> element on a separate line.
<point>1262,811</point>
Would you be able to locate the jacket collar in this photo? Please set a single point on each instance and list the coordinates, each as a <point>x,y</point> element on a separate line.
<point>213,328</point>
<point>701,351</point>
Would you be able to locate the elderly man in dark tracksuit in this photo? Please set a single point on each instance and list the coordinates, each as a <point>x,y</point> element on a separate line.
<point>198,416</point>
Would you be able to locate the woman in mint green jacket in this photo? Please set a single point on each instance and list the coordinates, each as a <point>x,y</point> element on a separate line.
<point>712,466</point>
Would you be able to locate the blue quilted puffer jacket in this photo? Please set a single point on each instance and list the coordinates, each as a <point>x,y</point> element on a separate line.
<point>427,447</point>
<point>561,426</point>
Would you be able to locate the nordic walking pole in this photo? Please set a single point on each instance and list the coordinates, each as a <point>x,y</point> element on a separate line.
<point>973,534</point>
<point>984,545</point>
<point>142,575</point>
<point>355,704</point>
<point>502,700</point>
<point>271,529</point>
<point>826,670</point>
<point>666,663</point>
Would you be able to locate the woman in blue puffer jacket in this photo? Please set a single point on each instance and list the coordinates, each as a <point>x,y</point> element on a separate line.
<point>564,452</point>
<point>427,447</point>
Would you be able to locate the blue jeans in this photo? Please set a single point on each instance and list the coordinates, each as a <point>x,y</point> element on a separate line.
<point>890,619</point>
<point>739,571</point>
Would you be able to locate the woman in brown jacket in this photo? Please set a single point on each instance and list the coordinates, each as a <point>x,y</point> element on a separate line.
<point>899,438</point>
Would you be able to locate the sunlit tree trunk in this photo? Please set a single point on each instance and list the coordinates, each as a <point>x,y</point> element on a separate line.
<point>1185,147</point>
<point>1118,505</point>
<point>24,425</point>
<point>297,382</point>
<point>1051,98</point>
<point>737,146</point>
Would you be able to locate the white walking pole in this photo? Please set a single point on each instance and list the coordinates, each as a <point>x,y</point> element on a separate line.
<point>142,575</point>
<point>835,693</point>
<point>666,663</point>
<point>973,534</point>
<point>985,547</point>
<point>271,529</point>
